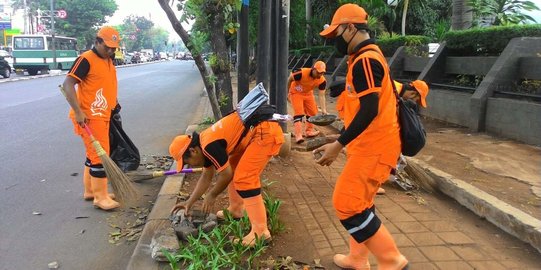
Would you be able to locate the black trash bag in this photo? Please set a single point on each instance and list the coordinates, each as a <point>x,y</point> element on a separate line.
<point>123,152</point>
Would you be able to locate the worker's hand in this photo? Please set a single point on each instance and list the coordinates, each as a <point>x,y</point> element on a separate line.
<point>208,203</point>
<point>182,205</point>
<point>330,152</point>
<point>80,118</point>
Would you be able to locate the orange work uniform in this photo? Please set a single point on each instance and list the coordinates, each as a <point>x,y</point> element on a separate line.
<point>221,148</point>
<point>97,96</point>
<point>373,153</point>
<point>301,92</point>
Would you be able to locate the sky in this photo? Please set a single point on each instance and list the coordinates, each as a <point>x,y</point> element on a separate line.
<point>146,8</point>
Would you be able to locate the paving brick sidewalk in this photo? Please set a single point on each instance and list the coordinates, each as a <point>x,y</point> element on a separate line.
<point>434,234</point>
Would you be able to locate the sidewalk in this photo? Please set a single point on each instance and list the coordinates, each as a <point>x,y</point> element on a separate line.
<point>432,230</point>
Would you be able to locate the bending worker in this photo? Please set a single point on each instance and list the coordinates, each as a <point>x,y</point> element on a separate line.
<point>372,141</point>
<point>301,84</point>
<point>222,150</point>
<point>96,96</point>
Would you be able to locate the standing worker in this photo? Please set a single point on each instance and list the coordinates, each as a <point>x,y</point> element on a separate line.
<point>301,84</point>
<point>91,105</point>
<point>372,141</point>
<point>223,150</point>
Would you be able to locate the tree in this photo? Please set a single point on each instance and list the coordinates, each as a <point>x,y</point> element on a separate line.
<point>84,17</point>
<point>136,31</point>
<point>502,12</point>
<point>193,42</point>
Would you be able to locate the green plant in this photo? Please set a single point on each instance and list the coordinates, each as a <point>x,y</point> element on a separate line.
<point>487,41</point>
<point>389,45</point>
<point>502,12</point>
<point>207,121</point>
<point>529,87</point>
<point>223,100</point>
<point>468,80</point>
<point>273,205</point>
<point>214,250</point>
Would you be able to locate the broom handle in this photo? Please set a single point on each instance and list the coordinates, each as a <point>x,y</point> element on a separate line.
<point>173,172</point>
<point>97,146</point>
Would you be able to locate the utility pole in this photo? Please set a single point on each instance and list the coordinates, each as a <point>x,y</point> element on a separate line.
<point>273,51</point>
<point>263,46</point>
<point>283,52</point>
<point>243,53</point>
<point>52,34</point>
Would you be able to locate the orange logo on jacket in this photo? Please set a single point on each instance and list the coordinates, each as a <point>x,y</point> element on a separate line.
<point>99,106</point>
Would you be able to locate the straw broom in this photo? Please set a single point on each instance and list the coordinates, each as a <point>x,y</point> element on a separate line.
<point>121,184</point>
<point>140,176</point>
<point>419,176</point>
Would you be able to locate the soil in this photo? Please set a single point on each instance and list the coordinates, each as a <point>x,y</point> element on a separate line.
<point>503,168</point>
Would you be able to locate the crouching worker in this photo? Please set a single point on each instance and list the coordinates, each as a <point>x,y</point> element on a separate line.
<point>231,152</point>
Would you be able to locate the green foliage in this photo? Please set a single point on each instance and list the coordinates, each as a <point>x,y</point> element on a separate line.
<point>532,87</point>
<point>389,45</point>
<point>273,205</point>
<point>487,41</point>
<point>502,12</point>
<point>215,250</point>
<point>223,100</point>
<point>468,80</point>
<point>208,121</point>
<point>84,17</point>
<point>147,35</point>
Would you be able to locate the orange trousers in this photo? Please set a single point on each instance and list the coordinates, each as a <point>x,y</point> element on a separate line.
<point>100,130</point>
<point>264,142</point>
<point>358,183</point>
<point>303,104</point>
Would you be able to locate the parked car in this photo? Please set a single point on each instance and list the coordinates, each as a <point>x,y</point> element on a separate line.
<point>5,69</point>
<point>7,56</point>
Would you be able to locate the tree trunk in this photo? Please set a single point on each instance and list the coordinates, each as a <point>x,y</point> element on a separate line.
<point>308,8</point>
<point>462,16</point>
<point>221,68</point>
<point>197,57</point>
<point>404,14</point>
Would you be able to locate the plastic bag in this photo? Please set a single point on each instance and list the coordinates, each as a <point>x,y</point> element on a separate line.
<point>123,152</point>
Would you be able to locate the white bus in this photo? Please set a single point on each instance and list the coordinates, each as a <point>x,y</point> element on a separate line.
<point>34,53</point>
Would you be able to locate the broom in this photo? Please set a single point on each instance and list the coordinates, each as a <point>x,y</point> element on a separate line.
<point>122,187</point>
<point>419,176</point>
<point>140,176</point>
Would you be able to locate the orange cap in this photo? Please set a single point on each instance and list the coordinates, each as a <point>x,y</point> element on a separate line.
<point>110,36</point>
<point>320,66</point>
<point>178,147</point>
<point>422,88</point>
<point>348,13</point>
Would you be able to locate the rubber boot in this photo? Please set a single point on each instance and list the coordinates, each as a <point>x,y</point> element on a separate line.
<point>88,194</point>
<point>382,245</point>
<point>298,132</point>
<point>310,130</point>
<point>101,197</point>
<point>356,259</point>
<point>255,208</point>
<point>236,205</point>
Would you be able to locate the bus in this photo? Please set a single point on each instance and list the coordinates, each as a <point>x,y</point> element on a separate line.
<point>34,53</point>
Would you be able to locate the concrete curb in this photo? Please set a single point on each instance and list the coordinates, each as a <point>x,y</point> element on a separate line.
<point>158,219</point>
<point>504,216</point>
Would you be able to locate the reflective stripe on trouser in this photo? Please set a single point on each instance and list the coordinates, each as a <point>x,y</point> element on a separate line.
<point>100,130</point>
<point>264,144</point>
<point>303,104</point>
<point>355,191</point>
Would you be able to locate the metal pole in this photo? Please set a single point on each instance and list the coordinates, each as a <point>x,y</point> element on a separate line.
<point>263,46</point>
<point>52,34</point>
<point>283,52</point>
<point>273,50</point>
<point>243,52</point>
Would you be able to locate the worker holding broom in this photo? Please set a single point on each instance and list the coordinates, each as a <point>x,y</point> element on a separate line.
<point>372,141</point>
<point>301,85</point>
<point>237,155</point>
<point>95,76</point>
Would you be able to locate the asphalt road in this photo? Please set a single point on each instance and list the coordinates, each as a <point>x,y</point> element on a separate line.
<point>39,153</point>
